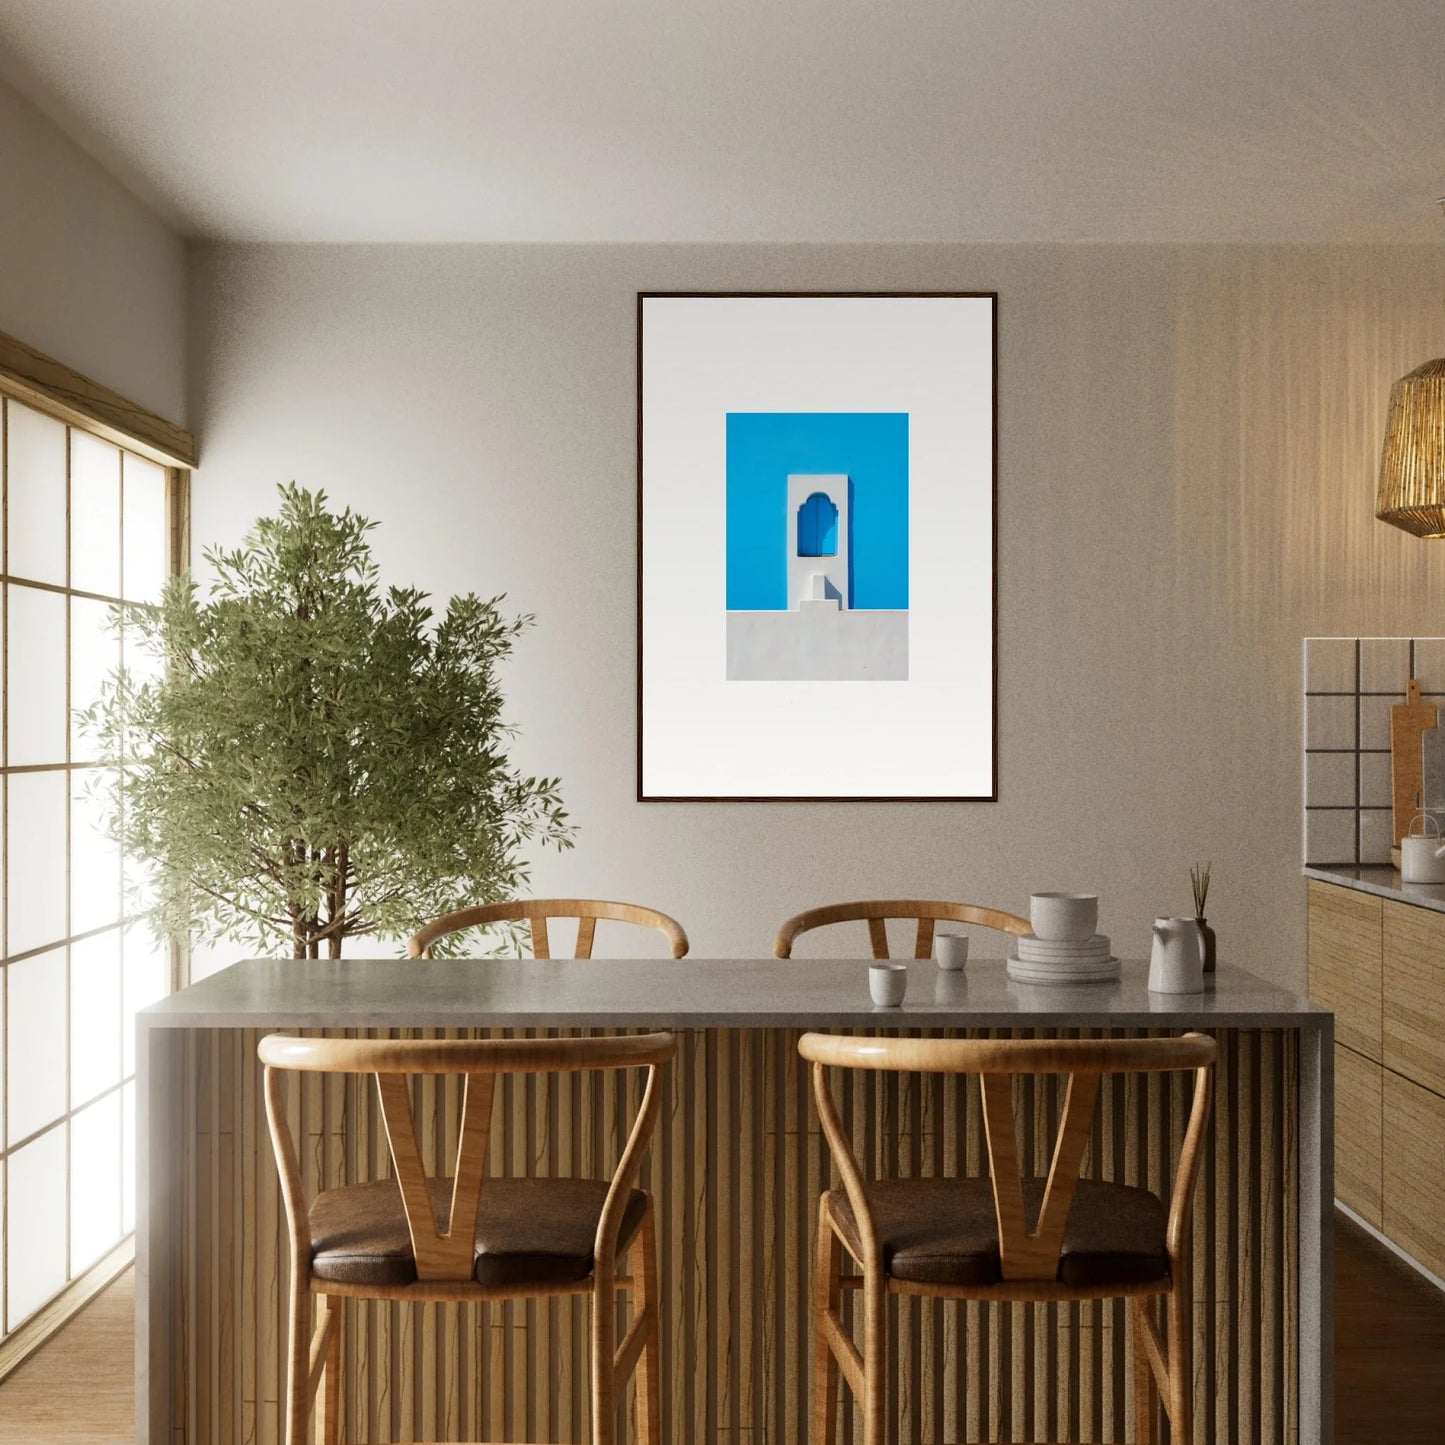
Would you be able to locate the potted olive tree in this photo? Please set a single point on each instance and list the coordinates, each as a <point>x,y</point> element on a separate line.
<point>311,758</point>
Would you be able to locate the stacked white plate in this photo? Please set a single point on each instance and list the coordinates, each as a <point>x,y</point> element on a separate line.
<point>1047,960</point>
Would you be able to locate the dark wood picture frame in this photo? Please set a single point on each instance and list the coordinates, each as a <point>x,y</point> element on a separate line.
<point>992,795</point>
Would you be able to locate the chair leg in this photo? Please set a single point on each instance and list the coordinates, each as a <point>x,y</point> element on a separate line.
<point>604,1349</point>
<point>298,1364</point>
<point>827,1298</point>
<point>875,1355</point>
<point>1179,1306</point>
<point>329,1425</point>
<point>1146,1409</point>
<point>646,1300</point>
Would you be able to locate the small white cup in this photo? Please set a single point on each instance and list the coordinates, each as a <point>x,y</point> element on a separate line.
<point>951,950</point>
<point>888,982</point>
<point>1064,917</point>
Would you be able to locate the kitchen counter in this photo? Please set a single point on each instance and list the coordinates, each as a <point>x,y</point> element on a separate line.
<point>698,993</point>
<point>1383,881</point>
<point>736,1165</point>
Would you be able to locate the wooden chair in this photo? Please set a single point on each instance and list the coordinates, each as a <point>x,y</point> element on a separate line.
<point>1007,1237</point>
<point>877,912</point>
<point>467,1236</point>
<point>537,911</point>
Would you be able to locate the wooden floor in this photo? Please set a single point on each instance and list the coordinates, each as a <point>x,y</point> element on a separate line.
<point>1389,1347</point>
<point>1389,1361</point>
<point>80,1387</point>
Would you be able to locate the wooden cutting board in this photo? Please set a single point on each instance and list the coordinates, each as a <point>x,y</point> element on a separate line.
<point>1409,720</point>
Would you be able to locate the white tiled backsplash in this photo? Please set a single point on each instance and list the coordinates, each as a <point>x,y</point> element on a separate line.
<point>1351,683</point>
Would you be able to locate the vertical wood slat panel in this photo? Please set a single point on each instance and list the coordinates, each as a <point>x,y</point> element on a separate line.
<point>737,1165</point>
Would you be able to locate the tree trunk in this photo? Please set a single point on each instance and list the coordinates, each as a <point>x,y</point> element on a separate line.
<point>336,899</point>
<point>299,945</point>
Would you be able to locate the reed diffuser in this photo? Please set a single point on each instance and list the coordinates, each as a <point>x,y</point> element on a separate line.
<point>1199,881</point>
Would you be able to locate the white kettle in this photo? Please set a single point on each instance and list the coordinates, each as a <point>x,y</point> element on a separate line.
<point>1422,854</point>
<point>1176,964</point>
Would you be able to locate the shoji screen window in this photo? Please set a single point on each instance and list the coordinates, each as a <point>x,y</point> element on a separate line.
<point>86,524</point>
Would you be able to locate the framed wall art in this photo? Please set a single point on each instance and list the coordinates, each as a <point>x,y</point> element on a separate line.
<point>816,544</point>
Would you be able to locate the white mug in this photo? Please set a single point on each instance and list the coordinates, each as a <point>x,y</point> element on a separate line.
<point>951,950</point>
<point>1176,964</point>
<point>888,982</point>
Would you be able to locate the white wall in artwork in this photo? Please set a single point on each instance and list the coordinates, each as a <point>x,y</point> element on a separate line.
<point>1187,446</point>
<point>803,569</point>
<point>818,641</point>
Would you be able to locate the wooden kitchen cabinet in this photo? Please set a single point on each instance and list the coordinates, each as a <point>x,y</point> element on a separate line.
<point>1414,994</point>
<point>1359,1086</point>
<point>1379,963</point>
<point>1346,964</point>
<point>1414,1178</point>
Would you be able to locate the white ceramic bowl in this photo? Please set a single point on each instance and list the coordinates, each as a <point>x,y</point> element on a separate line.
<point>888,982</point>
<point>1064,916</point>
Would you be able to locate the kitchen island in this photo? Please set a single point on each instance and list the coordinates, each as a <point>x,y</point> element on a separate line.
<point>737,1165</point>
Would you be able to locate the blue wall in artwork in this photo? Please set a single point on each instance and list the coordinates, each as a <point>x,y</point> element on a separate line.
<point>763,448</point>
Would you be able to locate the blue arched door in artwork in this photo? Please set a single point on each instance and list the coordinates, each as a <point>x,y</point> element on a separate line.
<point>818,527</point>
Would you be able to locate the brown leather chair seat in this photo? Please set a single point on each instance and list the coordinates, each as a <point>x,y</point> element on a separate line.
<point>943,1231</point>
<point>529,1231</point>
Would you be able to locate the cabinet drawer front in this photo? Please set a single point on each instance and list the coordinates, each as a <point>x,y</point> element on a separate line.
<point>1414,1002</point>
<point>1414,1175</point>
<point>1358,1162</point>
<point>1345,963</point>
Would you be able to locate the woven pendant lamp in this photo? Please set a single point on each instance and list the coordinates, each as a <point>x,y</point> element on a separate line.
<point>1412,469</point>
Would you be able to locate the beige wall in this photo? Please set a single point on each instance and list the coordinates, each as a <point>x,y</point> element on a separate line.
<point>87,273</point>
<point>1187,447</point>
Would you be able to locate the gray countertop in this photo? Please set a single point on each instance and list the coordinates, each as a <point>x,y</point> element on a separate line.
<point>1383,881</point>
<point>697,993</point>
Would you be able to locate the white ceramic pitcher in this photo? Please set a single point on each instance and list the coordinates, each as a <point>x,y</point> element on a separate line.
<point>1176,964</point>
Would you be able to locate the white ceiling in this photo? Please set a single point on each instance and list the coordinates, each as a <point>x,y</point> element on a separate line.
<point>754,120</point>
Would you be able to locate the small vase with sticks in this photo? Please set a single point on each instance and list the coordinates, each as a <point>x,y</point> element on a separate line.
<point>1199,880</point>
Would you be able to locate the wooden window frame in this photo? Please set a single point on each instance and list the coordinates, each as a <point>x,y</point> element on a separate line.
<point>49,386</point>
